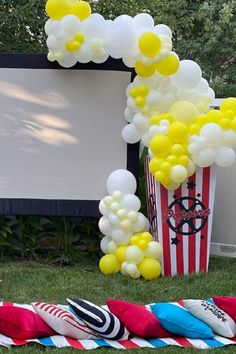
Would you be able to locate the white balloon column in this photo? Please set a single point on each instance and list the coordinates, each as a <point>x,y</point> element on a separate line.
<point>168,110</point>
<point>128,245</point>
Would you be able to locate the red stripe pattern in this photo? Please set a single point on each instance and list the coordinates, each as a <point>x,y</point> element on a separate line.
<point>190,219</point>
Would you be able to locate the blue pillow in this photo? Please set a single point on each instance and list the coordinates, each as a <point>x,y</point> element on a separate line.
<point>179,321</point>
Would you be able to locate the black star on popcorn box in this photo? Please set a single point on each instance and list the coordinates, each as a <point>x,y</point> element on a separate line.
<point>191,185</point>
<point>175,241</point>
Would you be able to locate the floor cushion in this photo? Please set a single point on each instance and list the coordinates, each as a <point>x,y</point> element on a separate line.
<point>137,319</point>
<point>217,319</point>
<point>17,322</point>
<point>63,321</point>
<point>177,320</point>
<point>100,320</point>
<point>227,304</point>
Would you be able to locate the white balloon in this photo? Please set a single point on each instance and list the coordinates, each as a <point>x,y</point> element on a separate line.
<point>71,24</point>
<point>128,115</point>
<point>105,226</point>
<point>120,237</point>
<point>133,254</point>
<point>111,247</point>
<point>205,158</point>
<point>93,28</point>
<point>143,20</point>
<point>98,17</point>
<point>203,86</point>
<point>48,26</point>
<point>193,148</point>
<point>130,134</point>
<point>139,225</point>
<point>191,168</point>
<point>225,156</point>
<point>84,55</point>
<point>146,137</point>
<point>131,202</point>
<point>129,60</point>
<point>211,93</point>
<point>178,174</point>
<point>188,75</point>
<point>213,134</point>
<point>104,244</point>
<point>229,138</point>
<point>114,220</point>
<point>103,208</point>
<point>133,271</point>
<point>141,122</point>
<point>68,61</point>
<point>54,44</point>
<point>121,180</point>
<point>123,268</point>
<point>154,250</point>
<point>123,18</point>
<point>163,29</point>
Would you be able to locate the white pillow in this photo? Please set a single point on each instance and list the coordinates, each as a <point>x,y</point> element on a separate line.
<point>63,321</point>
<point>218,320</point>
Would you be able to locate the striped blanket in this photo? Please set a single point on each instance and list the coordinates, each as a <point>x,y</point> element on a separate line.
<point>134,343</point>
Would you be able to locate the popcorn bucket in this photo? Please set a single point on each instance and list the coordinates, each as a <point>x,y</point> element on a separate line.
<point>181,220</point>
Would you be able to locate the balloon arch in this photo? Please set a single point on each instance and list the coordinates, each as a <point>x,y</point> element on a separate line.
<point>168,110</point>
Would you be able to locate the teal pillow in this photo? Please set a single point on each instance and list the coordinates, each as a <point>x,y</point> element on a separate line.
<point>179,321</point>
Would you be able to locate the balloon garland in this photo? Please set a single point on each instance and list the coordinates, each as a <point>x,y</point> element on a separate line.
<point>168,110</point>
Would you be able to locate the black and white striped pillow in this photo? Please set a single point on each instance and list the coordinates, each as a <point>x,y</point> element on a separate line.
<point>99,319</point>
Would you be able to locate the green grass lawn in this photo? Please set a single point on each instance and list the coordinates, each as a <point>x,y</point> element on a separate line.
<point>25,282</point>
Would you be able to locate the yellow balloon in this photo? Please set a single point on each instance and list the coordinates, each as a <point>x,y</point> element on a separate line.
<point>56,9</point>
<point>172,186</point>
<point>109,264</point>
<point>143,90</point>
<point>178,132</point>
<point>150,268</point>
<point>214,116</point>
<point>140,101</point>
<point>73,46</point>
<point>149,44</point>
<point>134,92</point>
<point>169,65</point>
<point>79,37</point>
<point>228,104</point>
<point>147,236</point>
<point>225,123</point>
<point>160,145</point>
<point>233,124</point>
<point>144,71</point>
<point>155,164</point>
<point>165,167</point>
<point>135,239</point>
<point>183,111</point>
<point>177,149</point>
<point>142,244</point>
<point>80,9</point>
<point>172,159</point>
<point>194,129</point>
<point>184,160</point>
<point>120,253</point>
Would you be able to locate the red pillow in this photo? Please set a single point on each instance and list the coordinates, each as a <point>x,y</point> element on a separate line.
<point>137,319</point>
<point>20,323</point>
<point>227,304</point>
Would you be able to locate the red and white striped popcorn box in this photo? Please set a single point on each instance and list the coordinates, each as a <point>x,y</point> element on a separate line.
<point>181,220</point>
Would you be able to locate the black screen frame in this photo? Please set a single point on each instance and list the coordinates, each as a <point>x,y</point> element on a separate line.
<point>57,207</point>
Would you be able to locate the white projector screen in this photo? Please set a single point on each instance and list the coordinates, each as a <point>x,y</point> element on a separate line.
<point>60,136</point>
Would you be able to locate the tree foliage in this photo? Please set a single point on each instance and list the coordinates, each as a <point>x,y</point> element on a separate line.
<point>203,30</point>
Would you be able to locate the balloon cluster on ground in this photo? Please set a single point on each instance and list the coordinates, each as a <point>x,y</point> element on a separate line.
<point>127,244</point>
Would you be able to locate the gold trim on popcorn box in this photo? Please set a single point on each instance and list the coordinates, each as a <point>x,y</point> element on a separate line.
<point>181,220</point>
